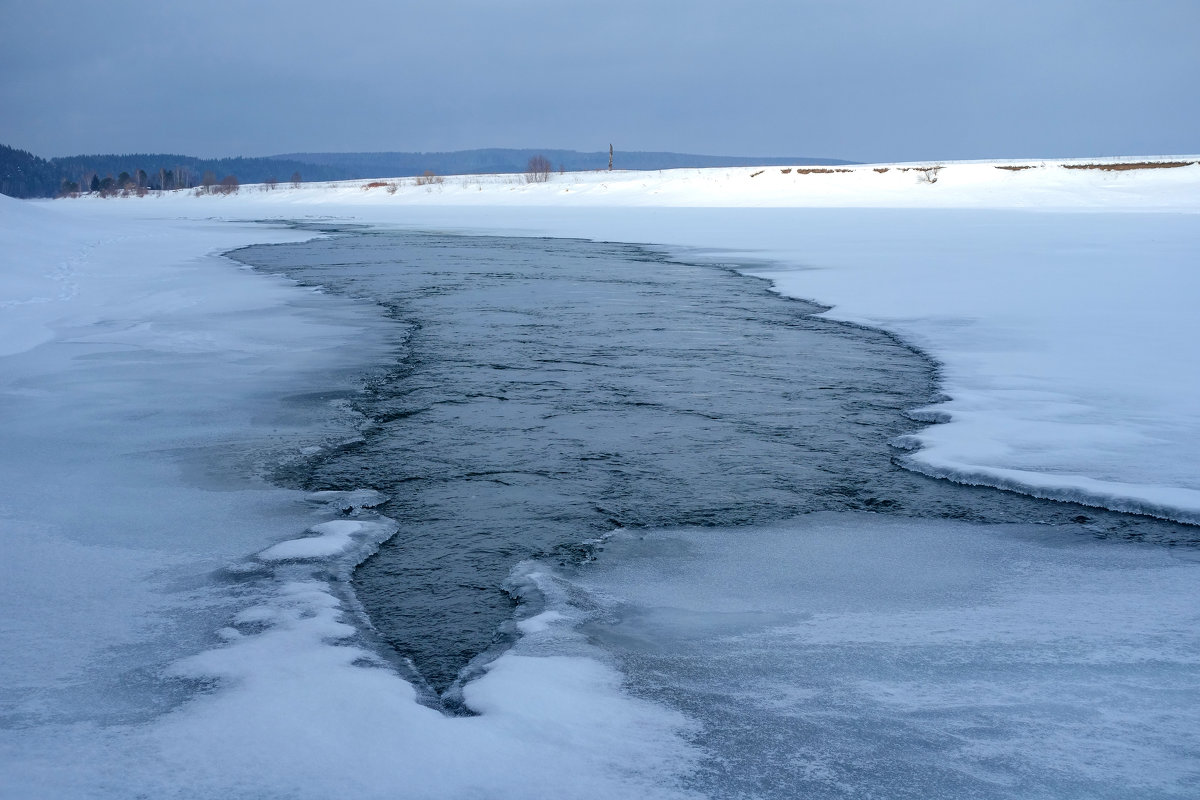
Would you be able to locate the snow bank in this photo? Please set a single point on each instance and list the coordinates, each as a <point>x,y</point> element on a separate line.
<point>331,539</point>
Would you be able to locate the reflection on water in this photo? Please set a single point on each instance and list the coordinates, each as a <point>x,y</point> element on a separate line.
<point>551,390</point>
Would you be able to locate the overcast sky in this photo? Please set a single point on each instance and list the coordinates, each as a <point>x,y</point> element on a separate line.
<point>865,80</point>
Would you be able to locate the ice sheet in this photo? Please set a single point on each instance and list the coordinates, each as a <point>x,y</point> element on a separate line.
<point>848,655</point>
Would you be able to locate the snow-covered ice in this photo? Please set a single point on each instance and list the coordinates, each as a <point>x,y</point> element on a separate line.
<point>332,538</point>
<point>176,626</point>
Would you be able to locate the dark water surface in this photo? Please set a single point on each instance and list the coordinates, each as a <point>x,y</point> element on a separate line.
<point>547,391</point>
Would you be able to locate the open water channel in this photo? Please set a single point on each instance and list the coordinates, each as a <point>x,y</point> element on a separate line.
<point>546,392</point>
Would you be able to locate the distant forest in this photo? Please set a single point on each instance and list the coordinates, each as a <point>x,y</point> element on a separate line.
<point>23,174</point>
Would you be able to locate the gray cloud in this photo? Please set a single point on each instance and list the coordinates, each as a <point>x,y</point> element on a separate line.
<point>859,79</point>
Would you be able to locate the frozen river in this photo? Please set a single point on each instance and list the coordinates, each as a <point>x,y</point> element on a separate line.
<point>652,538</point>
<point>549,391</point>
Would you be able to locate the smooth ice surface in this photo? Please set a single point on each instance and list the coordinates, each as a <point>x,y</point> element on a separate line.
<point>853,655</point>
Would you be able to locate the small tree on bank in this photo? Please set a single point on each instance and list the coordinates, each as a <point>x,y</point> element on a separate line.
<point>538,170</point>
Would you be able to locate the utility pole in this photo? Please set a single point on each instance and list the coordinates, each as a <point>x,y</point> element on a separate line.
<point>610,158</point>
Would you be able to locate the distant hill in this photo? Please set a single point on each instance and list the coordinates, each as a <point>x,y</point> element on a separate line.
<point>23,174</point>
<point>493,160</point>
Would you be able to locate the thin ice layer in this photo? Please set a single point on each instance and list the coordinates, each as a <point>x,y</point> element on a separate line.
<point>852,655</point>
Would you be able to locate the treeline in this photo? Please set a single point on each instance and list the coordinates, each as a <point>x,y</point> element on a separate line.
<point>23,174</point>
<point>140,183</point>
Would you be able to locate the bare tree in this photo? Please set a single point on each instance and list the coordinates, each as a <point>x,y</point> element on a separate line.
<point>929,174</point>
<point>270,183</point>
<point>207,182</point>
<point>296,180</point>
<point>538,170</point>
<point>229,184</point>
